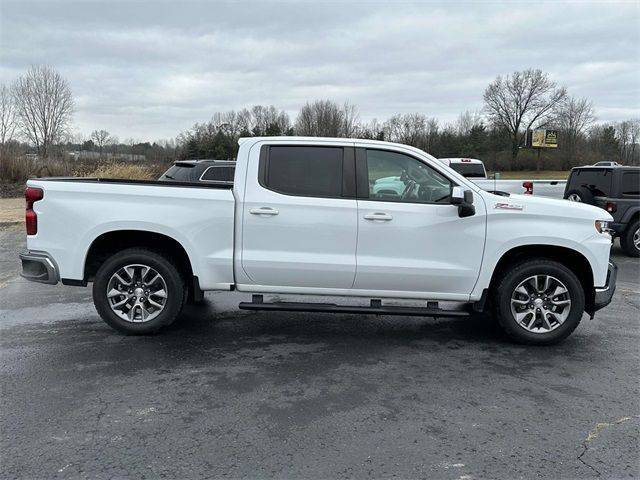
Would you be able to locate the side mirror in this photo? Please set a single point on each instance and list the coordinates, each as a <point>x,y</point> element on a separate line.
<point>464,200</point>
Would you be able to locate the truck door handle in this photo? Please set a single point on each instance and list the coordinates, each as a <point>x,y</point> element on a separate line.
<point>378,216</point>
<point>263,211</point>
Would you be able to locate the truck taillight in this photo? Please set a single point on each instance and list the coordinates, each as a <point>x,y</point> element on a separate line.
<point>612,207</point>
<point>32,195</point>
<point>528,188</point>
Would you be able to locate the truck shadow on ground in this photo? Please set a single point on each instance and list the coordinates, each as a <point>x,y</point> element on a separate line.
<point>203,319</point>
<point>202,323</point>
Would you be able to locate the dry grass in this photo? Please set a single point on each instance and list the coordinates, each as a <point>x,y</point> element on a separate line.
<point>15,171</point>
<point>11,210</point>
<point>120,170</point>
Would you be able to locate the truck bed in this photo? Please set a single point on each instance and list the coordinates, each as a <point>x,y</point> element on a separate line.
<point>75,212</point>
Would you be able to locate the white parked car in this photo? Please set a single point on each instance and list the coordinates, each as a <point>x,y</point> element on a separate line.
<point>307,216</point>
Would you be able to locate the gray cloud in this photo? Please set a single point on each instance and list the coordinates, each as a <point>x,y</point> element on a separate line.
<point>150,69</point>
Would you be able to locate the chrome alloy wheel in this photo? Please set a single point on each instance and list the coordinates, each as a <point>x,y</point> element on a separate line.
<point>574,197</point>
<point>636,239</point>
<point>137,293</point>
<point>540,304</point>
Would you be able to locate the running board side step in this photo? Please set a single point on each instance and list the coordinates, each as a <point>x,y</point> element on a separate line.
<point>376,308</point>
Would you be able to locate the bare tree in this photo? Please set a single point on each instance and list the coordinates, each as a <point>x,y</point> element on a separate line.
<point>44,106</point>
<point>519,101</point>
<point>372,130</point>
<point>413,129</point>
<point>430,134</point>
<point>100,138</point>
<point>574,116</point>
<point>8,120</point>
<point>408,128</point>
<point>350,117</point>
<point>322,118</point>
<point>627,134</point>
<point>466,121</point>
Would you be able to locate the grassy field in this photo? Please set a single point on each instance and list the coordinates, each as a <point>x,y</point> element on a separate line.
<point>533,175</point>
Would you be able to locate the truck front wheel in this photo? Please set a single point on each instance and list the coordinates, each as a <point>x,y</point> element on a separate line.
<point>539,302</point>
<point>137,291</point>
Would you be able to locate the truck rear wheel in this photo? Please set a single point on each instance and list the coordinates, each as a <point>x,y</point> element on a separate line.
<point>138,292</point>
<point>539,302</point>
<point>630,239</point>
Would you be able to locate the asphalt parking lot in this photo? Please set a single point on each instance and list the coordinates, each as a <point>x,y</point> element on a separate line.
<point>224,393</point>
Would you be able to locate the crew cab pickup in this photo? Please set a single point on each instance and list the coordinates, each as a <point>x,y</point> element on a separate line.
<point>303,216</point>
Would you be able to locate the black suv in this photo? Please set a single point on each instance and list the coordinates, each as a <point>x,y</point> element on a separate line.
<point>201,171</point>
<point>616,189</point>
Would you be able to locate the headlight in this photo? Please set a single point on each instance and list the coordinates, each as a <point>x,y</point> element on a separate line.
<point>602,226</point>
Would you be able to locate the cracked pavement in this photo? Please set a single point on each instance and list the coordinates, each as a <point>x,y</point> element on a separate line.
<point>224,393</point>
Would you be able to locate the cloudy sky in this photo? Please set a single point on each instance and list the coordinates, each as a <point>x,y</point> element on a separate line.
<point>150,69</point>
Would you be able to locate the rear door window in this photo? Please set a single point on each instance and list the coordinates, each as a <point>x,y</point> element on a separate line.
<point>304,171</point>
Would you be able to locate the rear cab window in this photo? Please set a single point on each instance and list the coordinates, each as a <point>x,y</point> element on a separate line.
<point>469,170</point>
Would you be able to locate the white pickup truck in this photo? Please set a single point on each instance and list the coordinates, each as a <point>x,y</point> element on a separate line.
<point>302,217</point>
<point>474,170</point>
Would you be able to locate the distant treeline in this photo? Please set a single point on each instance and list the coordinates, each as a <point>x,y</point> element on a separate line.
<point>472,135</point>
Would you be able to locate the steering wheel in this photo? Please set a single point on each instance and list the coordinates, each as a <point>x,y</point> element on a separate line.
<point>408,189</point>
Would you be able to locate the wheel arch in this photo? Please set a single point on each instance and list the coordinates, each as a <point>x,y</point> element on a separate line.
<point>111,242</point>
<point>631,215</point>
<point>568,257</point>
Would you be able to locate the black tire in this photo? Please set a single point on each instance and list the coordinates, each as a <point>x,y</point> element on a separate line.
<point>584,194</point>
<point>175,291</point>
<point>626,239</point>
<point>512,278</point>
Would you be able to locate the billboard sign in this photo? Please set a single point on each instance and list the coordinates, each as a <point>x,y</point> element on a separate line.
<point>544,139</point>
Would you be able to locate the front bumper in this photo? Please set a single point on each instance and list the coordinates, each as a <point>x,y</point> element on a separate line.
<point>604,294</point>
<point>39,267</point>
